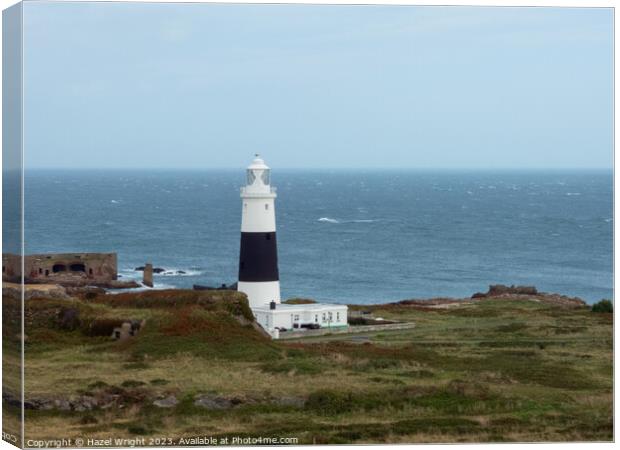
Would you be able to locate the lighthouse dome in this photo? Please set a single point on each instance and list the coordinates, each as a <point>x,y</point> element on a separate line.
<point>258,164</point>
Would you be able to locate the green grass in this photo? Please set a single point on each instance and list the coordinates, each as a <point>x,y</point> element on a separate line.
<point>212,335</point>
<point>492,371</point>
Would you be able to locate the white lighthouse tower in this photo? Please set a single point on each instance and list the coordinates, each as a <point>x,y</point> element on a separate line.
<point>258,256</point>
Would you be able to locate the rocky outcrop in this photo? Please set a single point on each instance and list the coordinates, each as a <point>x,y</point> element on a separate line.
<point>115,328</point>
<point>497,291</point>
<point>169,401</point>
<point>87,292</point>
<point>68,319</point>
<point>106,397</point>
<point>213,402</point>
<point>46,291</point>
<point>500,291</point>
<point>220,402</point>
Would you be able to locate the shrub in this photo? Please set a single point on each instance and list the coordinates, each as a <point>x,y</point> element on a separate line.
<point>98,385</point>
<point>604,306</point>
<point>103,327</point>
<point>241,308</point>
<point>132,383</point>
<point>88,419</point>
<point>329,402</point>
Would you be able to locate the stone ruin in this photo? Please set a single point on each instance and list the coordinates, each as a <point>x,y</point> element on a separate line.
<point>61,268</point>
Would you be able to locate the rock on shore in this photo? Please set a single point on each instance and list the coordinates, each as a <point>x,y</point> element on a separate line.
<point>500,291</point>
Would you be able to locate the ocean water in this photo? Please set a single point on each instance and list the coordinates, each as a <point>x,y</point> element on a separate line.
<point>343,236</point>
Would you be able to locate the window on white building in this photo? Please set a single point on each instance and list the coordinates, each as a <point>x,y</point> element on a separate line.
<point>296,317</point>
<point>323,317</point>
<point>337,317</point>
<point>316,318</point>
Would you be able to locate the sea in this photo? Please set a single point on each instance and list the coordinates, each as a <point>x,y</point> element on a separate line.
<point>344,236</point>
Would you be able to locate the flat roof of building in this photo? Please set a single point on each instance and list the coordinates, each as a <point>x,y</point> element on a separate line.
<point>299,307</point>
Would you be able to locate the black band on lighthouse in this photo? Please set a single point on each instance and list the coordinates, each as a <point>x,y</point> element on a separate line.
<point>258,258</point>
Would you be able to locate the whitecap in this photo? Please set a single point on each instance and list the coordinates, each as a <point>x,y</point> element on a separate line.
<point>173,272</point>
<point>131,273</point>
<point>162,286</point>
<point>328,220</point>
<point>142,288</point>
<point>573,193</point>
<point>114,201</point>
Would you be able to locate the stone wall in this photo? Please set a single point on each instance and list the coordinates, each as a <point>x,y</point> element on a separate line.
<point>61,268</point>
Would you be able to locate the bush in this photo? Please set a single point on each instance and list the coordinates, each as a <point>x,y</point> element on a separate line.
<point>103,327</point>
<point>241,308</point>
<point>604,306</point>
<point>132,383</point>
<point>88,419</point>
<point>329,402</point>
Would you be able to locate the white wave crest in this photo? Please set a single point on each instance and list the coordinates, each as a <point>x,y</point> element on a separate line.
<point>330,220</point>
<point>174,272</point>
<point>132,274</point>
<point>156,287</point>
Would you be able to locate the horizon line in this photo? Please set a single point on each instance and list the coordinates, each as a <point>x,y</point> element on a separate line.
<point>338,168</point>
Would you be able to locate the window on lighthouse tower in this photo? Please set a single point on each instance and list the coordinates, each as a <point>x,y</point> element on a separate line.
<point>251,177</point>
<point>265,177</point>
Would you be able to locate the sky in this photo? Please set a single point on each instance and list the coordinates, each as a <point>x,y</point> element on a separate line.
<point>135,85</point>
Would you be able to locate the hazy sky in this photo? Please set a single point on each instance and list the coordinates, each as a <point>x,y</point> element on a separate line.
<point>202,86</point>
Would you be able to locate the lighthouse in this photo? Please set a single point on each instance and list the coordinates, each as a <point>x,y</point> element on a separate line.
<point>258,255</point>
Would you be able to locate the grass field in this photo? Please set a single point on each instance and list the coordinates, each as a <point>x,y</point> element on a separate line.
<point>489,371</point>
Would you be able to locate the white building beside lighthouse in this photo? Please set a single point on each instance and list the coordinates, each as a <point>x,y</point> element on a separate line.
<point>258,263</point>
